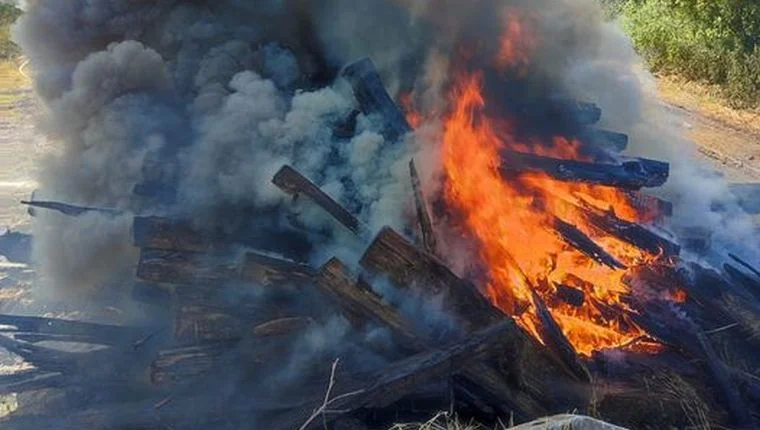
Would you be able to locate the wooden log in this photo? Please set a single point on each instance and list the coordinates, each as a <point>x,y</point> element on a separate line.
<point>404,377</point>
<point>70,210</point>
<point>427,235</point>
<point>361,305</point>
<point>489,385</point>
<point>631,232</point>
<point>648,204</point>
<point>583,243</point>
<point>294,183</point>
<point>282,326</point>
<point>269,270</point>
<point>195,325</point>
<point>182,365</point>
<point>409,267</point>
<point>553,107</point>
<point>570,295</point>
<point>555,339</point>
<point>632,174</point>
<point>179,267</point>
<point>105,334</point>
<point>37,382</point>
<point>374,100</point>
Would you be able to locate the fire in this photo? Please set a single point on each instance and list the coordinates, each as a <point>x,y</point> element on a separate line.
<point>512,220</point>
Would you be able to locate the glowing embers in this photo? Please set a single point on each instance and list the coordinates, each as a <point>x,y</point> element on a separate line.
<point>516,222</point>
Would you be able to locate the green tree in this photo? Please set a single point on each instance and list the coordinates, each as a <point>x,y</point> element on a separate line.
<point>8,15</point>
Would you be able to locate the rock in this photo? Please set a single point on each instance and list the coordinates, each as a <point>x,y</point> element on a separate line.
<point>567,422</point>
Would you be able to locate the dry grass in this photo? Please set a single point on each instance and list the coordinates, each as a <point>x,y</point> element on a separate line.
<point>695,410</point>
<point>445,421</point>
<point>707,101</point>
<point>14,84</point>
<point>746,318</point>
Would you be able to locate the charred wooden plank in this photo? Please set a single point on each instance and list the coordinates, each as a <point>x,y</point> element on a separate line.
<point>583,243</point>
<point>648,204</point>
<point>410,267</point>
<point>423,216</point>
<point>170,234</point>
<point>70,210</point>
<point>633,174</point>
<point>294,183</point>
<point>555,339</point>
<point>363,305</point>
<point>282,326</point>
<point>195,325</point>
<point>269,270</point>
<point>631,232</point>
<point>33,383</point>
<point>96,333</point>
<point>173,267</point>
<point>570,295</point>
<point>404,377</point>
<point>182,365</point>
<point>373,98</point>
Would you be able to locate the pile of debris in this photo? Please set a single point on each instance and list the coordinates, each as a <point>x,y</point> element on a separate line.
<point>230,308</point>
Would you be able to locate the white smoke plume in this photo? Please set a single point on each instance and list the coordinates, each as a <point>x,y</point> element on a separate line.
<point>217,95</point>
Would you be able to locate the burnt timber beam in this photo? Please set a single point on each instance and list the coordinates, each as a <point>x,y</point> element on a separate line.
<point>407,266</point>
<point>95,333</point>
<point>294,183</point>
<point>571,296</point>
<point>427,235</point>
<point>584,244</point>
<point>67,209</point>
<point>164,266</point>
<point>269,270</point>
<point>339,283</point>
<point>632,174</point>
<point>410,267</point>
<point>556,341</point>
<point>633,233</point>
<point>182,267</point>
<point>374,99</point>
<point>649,204</point>
<point>404,377</point>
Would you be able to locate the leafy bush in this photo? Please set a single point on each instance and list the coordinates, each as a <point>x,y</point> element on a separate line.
<point>715,41</point>
<point>8,15</point>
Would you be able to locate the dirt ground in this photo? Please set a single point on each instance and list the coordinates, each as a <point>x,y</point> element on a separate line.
<point>21,146</point>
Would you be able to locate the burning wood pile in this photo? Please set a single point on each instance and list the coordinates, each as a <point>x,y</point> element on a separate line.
<point>580,306</point>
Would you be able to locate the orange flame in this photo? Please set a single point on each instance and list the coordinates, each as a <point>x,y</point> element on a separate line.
<point>513,219</point>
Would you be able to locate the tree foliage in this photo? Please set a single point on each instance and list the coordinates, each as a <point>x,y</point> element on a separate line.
<point>717,41</point>
<point>8,15</point>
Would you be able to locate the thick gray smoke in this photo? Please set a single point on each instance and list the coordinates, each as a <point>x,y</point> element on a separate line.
<point>217,95</point>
